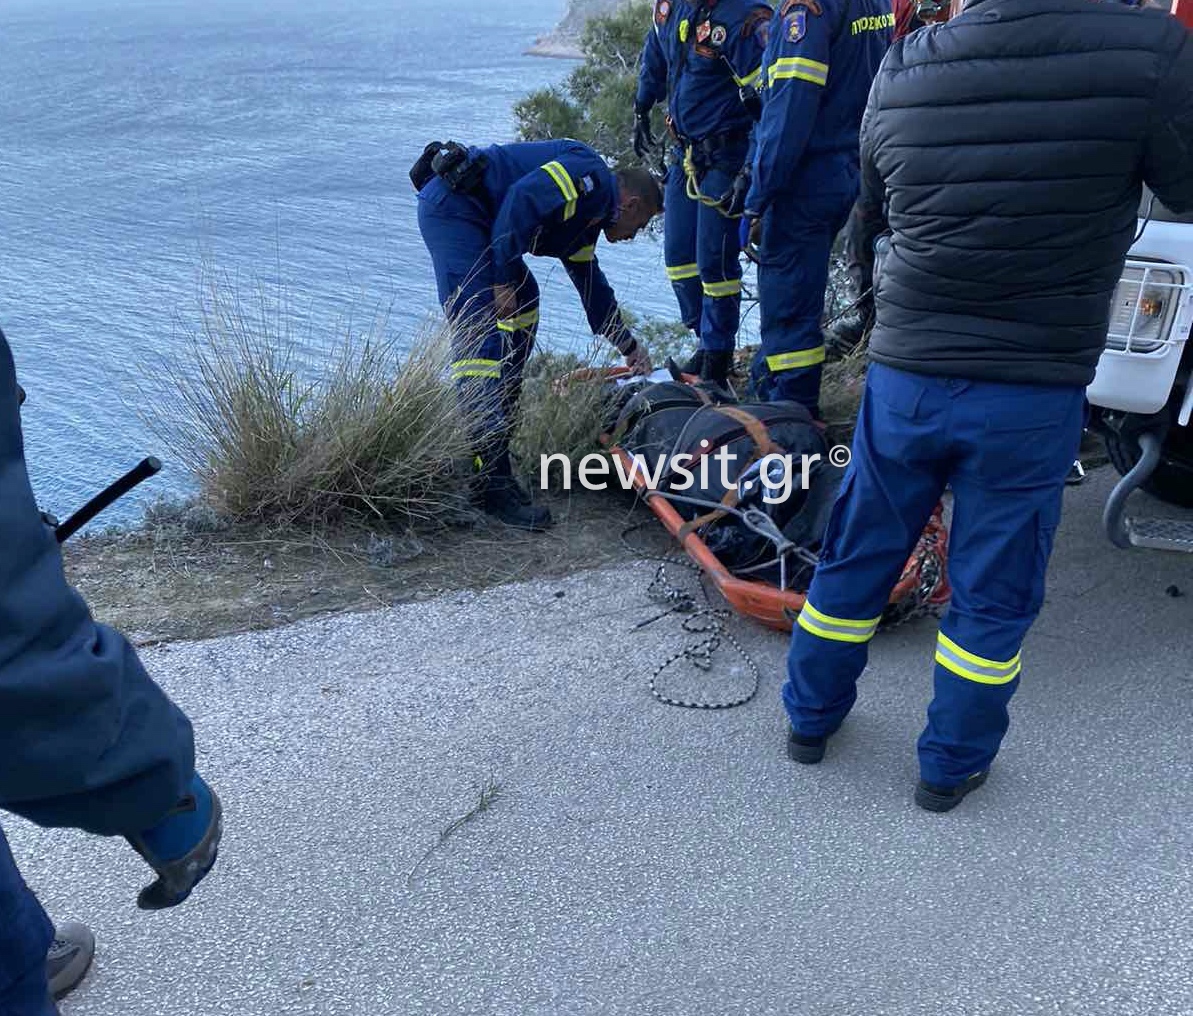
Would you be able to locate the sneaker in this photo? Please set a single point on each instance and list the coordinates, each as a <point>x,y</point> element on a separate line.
<point>805,750</point>
<point>932,798</point>
<point>69,958</point>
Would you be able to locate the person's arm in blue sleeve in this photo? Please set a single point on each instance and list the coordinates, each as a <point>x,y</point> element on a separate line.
<point>652,84</point>
<point>652,73</point>
<point>796,71</point>
<point>598,299</point>
<point>87,739</point>
<point>744,55</point>
<point>545,193</point>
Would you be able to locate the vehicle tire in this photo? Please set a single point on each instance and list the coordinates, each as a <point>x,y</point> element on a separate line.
<point>1172,482</point>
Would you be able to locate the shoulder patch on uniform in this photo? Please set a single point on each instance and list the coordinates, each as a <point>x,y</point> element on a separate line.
<point>796,25</point>
<point>662,11</point>
<point>811,6</point>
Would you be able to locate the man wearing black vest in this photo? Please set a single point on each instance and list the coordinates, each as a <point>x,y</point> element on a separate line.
<point>1010,146</point>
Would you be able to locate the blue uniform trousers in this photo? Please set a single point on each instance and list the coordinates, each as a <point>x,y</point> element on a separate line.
<point>25,936</point>
<point>702,249</point>
<point>798,231</point>
<point>456,229</point>
<point>1005,451</point>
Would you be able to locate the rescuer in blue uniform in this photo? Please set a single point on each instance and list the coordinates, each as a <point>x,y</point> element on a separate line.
<point>87,741</point>
<point>703,60</point>
<point>480,211</point>
<point>820,60</point>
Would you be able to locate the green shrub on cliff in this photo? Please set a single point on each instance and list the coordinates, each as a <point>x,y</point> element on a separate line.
<point>596,102</point>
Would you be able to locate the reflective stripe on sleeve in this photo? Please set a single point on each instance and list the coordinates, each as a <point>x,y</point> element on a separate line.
<point>798,67</point>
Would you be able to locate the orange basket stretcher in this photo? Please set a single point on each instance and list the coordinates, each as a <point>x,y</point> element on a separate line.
<point>924,577</point>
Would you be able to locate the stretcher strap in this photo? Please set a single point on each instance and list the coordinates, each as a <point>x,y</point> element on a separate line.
<point>763,446</point>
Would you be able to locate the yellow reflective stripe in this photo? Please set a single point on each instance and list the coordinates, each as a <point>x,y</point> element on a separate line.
<point>476,368</point>
<point>527,320</point>
<point>749,79</point>
<point>836,629</point>
<point>793,361</point>
<point>584,254</point>
<point>683,30</point>
<point>799,67</point>
<point>563,181</point>
<point>975,668</point>
<point>731,287</point>
<point>677,273</point>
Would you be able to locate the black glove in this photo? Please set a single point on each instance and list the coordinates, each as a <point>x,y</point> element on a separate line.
<point>733,201</point>
<point>644,139</point>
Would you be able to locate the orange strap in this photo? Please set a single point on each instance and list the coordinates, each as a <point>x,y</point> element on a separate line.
<point>763,445</point>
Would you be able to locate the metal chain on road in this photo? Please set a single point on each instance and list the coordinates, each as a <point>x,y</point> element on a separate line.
<point>706,621</point>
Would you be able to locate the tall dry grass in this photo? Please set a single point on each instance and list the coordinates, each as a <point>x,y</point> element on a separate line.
<point>371,433</point>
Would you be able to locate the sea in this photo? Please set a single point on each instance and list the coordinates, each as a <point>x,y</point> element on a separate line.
<point>158,151</point>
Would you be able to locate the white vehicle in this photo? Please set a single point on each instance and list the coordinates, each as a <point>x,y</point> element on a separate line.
<point>1141,400</point>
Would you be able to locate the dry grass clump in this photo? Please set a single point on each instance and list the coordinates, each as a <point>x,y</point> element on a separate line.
<point>373,434</point>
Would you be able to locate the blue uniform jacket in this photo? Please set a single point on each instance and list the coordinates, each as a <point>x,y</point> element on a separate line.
<point>87,740</point>
<point>821,58</point>
<point>696,57</point>
<point>553,199</point>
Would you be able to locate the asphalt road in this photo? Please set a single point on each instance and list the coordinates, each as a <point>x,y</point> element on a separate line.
<point>643,859</point>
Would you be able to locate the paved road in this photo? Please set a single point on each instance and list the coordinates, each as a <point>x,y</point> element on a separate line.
<point>642,859</point>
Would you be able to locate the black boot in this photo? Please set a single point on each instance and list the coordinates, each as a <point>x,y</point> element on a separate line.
<point>505,499</point>
<point>500,495</point>
<point>696,364</point>
<point>714,372</point>
<point>932,798</point>
<point>69,958</point>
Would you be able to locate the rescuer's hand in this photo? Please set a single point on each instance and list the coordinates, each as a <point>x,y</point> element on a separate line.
<point>638,359</point>
<point>733,201</point>
<point>750,235</point>
<point>505,302</point>
<point>644,139</point>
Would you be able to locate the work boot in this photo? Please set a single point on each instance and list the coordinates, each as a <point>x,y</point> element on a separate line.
<point>932,798</point>
<point>695,365</point>
<point>805,750</point>
<point>716,366</point>
<point>501,496</point>
<point>69,958</point>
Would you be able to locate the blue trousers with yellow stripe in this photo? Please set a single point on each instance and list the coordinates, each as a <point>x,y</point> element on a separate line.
<point>1005,451</point>
<point>25,936</point>
<point>702,249</point>
<point>488,356</point>
<point>798,231</point>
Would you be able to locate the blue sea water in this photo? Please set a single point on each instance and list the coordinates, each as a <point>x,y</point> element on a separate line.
<point>148,144</point>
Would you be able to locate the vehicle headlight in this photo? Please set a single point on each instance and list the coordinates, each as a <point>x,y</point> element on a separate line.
<point>1143,308</point>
